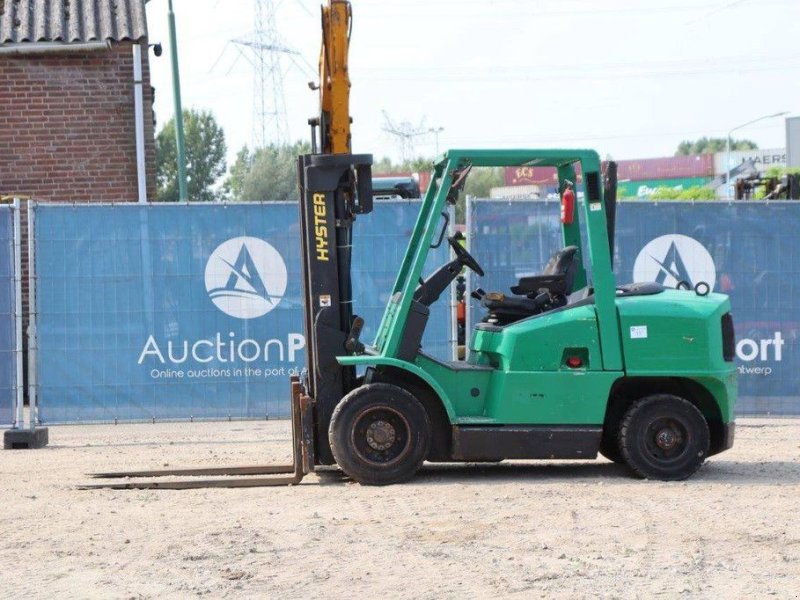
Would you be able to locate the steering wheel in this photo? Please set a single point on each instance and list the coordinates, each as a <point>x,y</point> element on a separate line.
<point>464,257</point>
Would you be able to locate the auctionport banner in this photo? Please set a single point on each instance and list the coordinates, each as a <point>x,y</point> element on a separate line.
<point>189,311</point>
<point>746,250</point>
<point>8,354</point>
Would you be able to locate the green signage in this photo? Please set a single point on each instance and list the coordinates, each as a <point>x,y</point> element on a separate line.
<point>645,189</point>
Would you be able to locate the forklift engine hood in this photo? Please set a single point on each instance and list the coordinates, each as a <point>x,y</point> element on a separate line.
<point>674,330</point>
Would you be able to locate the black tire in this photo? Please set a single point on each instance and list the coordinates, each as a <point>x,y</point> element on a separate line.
<point>379,434</point>
<point>664,437</point>
<point>609,445</point>
<point>609,442</point>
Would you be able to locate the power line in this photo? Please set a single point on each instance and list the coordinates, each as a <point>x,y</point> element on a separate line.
<point>405,9</point>
<point>726,6</point>
<point>516,78</point>
<point>592,67</point>
<point>533,139</point>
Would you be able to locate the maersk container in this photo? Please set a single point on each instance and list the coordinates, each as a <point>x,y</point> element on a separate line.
<point>762,159</point>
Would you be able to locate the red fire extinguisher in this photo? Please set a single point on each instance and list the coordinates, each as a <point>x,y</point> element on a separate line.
<point>568,206</point>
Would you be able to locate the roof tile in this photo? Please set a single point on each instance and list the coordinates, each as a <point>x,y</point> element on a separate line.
<point>71,21</point>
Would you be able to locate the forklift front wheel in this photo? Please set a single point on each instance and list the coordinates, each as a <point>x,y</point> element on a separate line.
<point>664,437</point>
<point>379,434</point>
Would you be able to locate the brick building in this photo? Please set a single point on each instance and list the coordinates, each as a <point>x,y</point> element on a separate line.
<point>68,101</point>
<point>76,105</point>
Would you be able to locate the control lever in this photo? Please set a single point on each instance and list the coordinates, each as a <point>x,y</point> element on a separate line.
<point>352,344</point>
<point>478,293</point>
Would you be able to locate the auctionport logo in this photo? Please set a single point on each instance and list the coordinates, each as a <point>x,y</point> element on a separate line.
<point>246,277</point>
<point>672,258</point>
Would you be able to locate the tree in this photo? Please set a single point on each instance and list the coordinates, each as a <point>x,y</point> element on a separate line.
<point>205,157</point>
<point>481,180</point>
<point>385,166</point>
<point>692,193</point>
<point>779,172</point>
<point>711,145</point>
<point>266,174</point>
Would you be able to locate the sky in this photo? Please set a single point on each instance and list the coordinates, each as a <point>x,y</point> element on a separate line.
<point>628,78</point>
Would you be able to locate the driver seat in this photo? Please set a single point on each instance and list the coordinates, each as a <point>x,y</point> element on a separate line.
<point>540,293</point>
<point>557,278</point>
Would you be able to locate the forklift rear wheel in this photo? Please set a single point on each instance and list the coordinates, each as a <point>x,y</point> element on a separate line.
<point>664,437</point>
<point>379,434</point>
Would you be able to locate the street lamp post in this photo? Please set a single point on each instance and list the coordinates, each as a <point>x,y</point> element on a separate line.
<point>436,131</point>
<point>180,144</point>
<point>728,168</point>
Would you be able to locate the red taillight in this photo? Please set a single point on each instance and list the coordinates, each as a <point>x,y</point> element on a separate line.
<point>574,362</point>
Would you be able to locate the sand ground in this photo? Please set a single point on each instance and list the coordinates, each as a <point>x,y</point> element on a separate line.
<point>524,529</point>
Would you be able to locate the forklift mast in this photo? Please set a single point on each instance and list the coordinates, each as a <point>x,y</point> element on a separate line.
<point>334,186</point>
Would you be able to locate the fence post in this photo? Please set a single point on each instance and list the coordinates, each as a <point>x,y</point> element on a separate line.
<point>38,435</point>
<point>19,412</point>
<point>32,409</point>
<point>20,437</point>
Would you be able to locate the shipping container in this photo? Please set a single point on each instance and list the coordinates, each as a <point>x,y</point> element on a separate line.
<point>541,176</point>
<point>424,180</point>
<point>516,192</point>
<point>761,159</point>
<point>671,167</point>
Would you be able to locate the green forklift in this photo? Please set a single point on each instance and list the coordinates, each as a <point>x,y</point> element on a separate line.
<point>562,366</point>
<point>565,365</point>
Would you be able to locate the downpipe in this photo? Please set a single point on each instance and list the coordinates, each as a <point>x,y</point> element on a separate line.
<point>138,103</point>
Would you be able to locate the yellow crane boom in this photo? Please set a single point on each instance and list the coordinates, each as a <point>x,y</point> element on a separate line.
<point>334,88</point>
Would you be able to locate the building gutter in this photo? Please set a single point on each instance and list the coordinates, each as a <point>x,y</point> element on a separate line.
<point>138,102</point>
<point>54,47</point>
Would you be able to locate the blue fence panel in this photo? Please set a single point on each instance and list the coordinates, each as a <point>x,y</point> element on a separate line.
<point>177,312</point>
<point>511,240</point>
<point>747,250</point>
<point>380,241</point>
<point>157,312</point>
<point>8,351</point>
